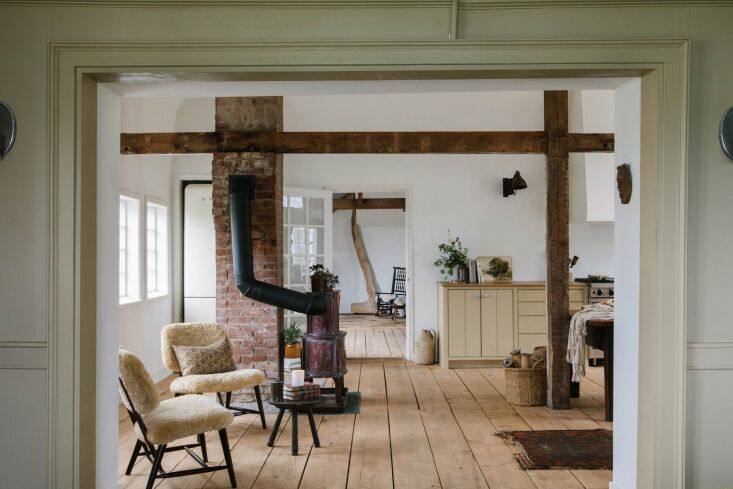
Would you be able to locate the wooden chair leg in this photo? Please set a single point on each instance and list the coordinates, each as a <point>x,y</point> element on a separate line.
<point>220,398</point>
<point>227,456</point>
<point>156,466</point>
<point>258,396</point>
<point>133,458</point>
<point>228,400</point>
<point>202,441</point>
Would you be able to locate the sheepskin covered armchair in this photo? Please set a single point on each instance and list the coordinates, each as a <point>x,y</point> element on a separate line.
<point>202,354</point>
<point>158,423</point>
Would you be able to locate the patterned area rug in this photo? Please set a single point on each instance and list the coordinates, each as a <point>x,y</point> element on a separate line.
<point>562,449</point>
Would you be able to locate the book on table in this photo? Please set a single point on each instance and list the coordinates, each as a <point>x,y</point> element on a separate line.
<point>307,391</point>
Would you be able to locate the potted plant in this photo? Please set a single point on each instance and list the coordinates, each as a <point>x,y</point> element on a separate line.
<point>452,255</point>
<point>322,279</point>
<point>292,335</point>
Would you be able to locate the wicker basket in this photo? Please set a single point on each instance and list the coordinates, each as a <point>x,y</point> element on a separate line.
<point>526,386</point>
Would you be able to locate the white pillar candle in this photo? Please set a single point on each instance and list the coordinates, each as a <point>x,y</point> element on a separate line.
<point>298,378</point>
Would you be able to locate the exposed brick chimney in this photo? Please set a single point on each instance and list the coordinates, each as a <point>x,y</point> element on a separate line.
<point>253,327</point>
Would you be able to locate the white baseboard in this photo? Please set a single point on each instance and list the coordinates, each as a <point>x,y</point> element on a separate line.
<point>613,485</point>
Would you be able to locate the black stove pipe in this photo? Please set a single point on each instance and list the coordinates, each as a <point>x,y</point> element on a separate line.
<point>241,192</point>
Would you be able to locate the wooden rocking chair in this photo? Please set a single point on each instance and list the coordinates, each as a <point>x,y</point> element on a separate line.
<point>399,289</point>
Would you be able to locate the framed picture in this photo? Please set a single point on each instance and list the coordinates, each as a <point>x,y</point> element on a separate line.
<point>494,268</point>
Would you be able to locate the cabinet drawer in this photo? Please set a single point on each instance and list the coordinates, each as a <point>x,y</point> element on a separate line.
<point>531,295</point>
<point>531,308</point>
<point>527,342</point>
<point>576,306</point>
<point>532,324</point>
<point>574,295</point>
<point>577,295</point>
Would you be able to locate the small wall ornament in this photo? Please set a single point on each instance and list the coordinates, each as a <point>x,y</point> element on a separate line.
<point>8,128</point>
<point>623,182</point>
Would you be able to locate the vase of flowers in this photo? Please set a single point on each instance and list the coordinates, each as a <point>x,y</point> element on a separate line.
<point>453,258</point>
<point>322,279</point>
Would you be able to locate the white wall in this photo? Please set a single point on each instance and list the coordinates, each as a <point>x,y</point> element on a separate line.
<point>109,117</point>
<point>592,243</point>
<point>457,192</point>
<point>627,290</point>
<point>384,238</point>
<point>158,176</point>
<point>140,322</point>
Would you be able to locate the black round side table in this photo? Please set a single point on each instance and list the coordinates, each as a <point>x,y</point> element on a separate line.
<point>295,407</point>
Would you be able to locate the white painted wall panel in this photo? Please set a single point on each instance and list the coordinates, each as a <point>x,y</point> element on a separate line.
<point>24,414</point>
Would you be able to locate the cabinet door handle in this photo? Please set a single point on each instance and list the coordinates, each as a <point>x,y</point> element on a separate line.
<point>476,296</point>
<point>484,296</point>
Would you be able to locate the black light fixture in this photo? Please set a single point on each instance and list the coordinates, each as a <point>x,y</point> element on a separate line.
<point>511,185</point>
<point>8,128</point>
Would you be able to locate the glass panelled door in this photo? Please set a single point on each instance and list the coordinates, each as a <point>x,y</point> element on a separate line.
<point>307,238</point>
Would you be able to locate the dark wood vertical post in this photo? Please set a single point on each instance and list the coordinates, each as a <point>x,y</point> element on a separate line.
<point>557,248</point>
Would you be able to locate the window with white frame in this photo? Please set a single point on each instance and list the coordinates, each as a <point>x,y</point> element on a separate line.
<point>156,249</point>
<point>129,249</point>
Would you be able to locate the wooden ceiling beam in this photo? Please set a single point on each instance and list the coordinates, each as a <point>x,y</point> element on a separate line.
<point>365,204</point>
<point>334,142</point>
<point>591,142</point>
<point>477,142</point>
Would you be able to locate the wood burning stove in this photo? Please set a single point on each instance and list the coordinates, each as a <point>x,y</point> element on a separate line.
<point>324,353</point>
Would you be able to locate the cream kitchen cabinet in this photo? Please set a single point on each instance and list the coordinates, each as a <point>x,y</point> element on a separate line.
<point>477,321</point>
<point>479,324</point>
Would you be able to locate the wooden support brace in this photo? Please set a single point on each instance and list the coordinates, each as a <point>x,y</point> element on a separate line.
<point>557,248</point>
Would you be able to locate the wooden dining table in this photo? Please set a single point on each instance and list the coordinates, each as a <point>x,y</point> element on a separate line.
<point>599,334</point>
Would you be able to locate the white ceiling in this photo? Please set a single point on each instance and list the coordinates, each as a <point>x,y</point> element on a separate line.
<point>269,88</point>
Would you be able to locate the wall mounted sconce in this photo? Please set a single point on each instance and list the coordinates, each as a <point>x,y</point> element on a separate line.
<point>725,133</point>
<point>7,129</point>
<point>511,185</point>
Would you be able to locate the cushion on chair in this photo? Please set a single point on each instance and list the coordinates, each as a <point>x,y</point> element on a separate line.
<point>138,384</point>
<point>184,416</point>
<point>187,334</point>
<point>210,359</point>
<point>223,382</point>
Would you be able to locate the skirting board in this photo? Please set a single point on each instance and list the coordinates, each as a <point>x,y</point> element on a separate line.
<point>613,485</point>
<point>710,355</point>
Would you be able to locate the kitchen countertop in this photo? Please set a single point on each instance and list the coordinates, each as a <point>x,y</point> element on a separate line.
<point>503,285</point>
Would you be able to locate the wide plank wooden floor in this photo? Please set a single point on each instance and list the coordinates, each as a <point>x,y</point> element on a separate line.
<point>373,338</point>
<point>419,427</point>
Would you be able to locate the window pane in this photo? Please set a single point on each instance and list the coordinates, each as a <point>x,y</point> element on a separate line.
<point>297,210</point>
<point>297,241</point>
<point>123,285</point>
<point>298,270</point>
<point>315,241</point>
<point>156,246</point>
<point>315,210</point>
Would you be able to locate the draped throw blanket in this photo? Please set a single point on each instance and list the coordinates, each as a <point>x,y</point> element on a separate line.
<point>576,337</point>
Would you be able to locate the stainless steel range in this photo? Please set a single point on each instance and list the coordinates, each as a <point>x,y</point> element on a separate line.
<point>600,291</point>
